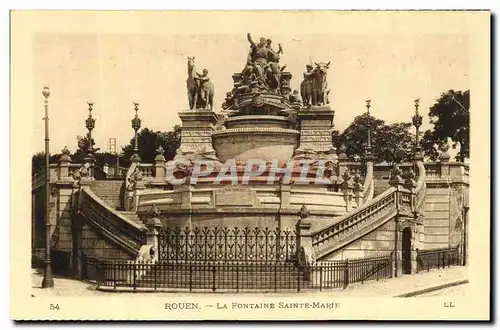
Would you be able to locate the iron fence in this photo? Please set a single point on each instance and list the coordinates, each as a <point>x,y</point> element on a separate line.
<point>227,245</point>
<point>241,276</point>
<point>438,258</point>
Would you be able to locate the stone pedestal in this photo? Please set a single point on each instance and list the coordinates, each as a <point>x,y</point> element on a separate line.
<point>316,131</point>
<point>160,169</point>
<point>196,136</point>
<point>153,225</point>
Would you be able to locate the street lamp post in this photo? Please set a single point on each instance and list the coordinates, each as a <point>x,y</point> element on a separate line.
<point>136,125</point>
<point>369,144</point>
<point>48,281</point>
<point>90,125</point>
<point>417,122</point>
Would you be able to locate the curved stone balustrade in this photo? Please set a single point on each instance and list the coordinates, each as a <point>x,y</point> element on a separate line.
<point>355,218</point>
<point>369,184</point>
<point>127,233</point>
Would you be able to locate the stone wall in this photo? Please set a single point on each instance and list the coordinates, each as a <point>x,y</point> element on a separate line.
<point>95,245</point>
<point>379,242</point>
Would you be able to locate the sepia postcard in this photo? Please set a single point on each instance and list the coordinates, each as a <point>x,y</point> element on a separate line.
<point>250,165</point>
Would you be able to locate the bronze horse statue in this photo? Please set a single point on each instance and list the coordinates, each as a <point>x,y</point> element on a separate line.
<point>200,95</point>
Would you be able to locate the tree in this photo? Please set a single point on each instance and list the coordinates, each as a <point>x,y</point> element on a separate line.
<point>355,136</point>
<point>394,143</point>
<point>38,161</point>
<point>450,118</point>
<point>82,148</point>
<point>390,143</point>
<point>149,141</point>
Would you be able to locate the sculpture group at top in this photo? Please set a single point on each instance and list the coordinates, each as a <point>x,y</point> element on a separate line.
<point>262,67</point>
<point>262,74</point>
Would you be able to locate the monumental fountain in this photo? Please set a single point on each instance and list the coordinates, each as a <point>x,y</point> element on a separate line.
<point>265,155</point>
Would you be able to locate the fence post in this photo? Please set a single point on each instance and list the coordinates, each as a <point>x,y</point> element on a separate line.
<point>298,267</point>
<point>114,265</point>
<point>320,277</point>
<point>237,278</point>
<point>155,275</point>
<point>190,278</point>
<point>346,273</point>
<point>213,278</point>
<point>134,269</point>
<point>276,276</point>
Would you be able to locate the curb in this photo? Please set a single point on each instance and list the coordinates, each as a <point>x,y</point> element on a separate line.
<point>431,288</point>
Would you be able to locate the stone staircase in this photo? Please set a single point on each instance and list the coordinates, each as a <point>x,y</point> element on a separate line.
<point>110,191</point>
<point>131,215</point>
<point>380,187</point>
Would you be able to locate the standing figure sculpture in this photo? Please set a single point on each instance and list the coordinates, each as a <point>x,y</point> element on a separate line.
<point>258,56</point>
<point>320,85</point>
<point>199,87</point>
<point>307,85</point>
<point>205,91</point>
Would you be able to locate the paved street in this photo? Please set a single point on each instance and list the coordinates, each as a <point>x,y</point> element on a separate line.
<point>382,288</point>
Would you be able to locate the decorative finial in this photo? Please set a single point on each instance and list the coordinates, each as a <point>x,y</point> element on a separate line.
<point>410,175</point>
<point>160,150</point>
<point>136,107</point>
<point>154,211</point>
<point>304,212</point>
<point>342,149</point>
<point>368,104</point>
<point>46,92</point>
<point>417,101</point>
<point>396,172</point>
<point>357,177</point>
<point>346,176</point>
<point>65,151</point>
<point>91,106</point>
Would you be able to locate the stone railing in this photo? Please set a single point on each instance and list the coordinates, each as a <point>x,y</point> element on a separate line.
<point>129,234</point>
<point>57,173</point>
<point>421,188</point>
<point>37,180</point>
<point>147,171</point>
<point>369,185</point>
<point>352,222</point>
<point>371,214</point>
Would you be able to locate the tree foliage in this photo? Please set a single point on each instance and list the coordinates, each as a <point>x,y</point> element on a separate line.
<point>38,161</point>
<point>149,141</point>
<point>450,118</point>
<point>390,142</point>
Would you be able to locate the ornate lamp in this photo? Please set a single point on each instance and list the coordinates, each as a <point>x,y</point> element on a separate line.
<point>417,122</point>
<point>48,280</point>
<point>136,125</point>
<point>90,125</point>
<point>368,149</point>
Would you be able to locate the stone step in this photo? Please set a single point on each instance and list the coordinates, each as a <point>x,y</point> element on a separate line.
<point>132,216</point>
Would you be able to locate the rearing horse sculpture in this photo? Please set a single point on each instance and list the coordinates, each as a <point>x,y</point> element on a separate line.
<point>319,83</point>
<point>191,83</point>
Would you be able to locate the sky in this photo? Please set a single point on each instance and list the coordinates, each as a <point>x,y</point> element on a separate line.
<point>114,70</point>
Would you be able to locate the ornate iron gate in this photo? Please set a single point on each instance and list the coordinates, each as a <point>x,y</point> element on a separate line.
<point>227,245</point>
